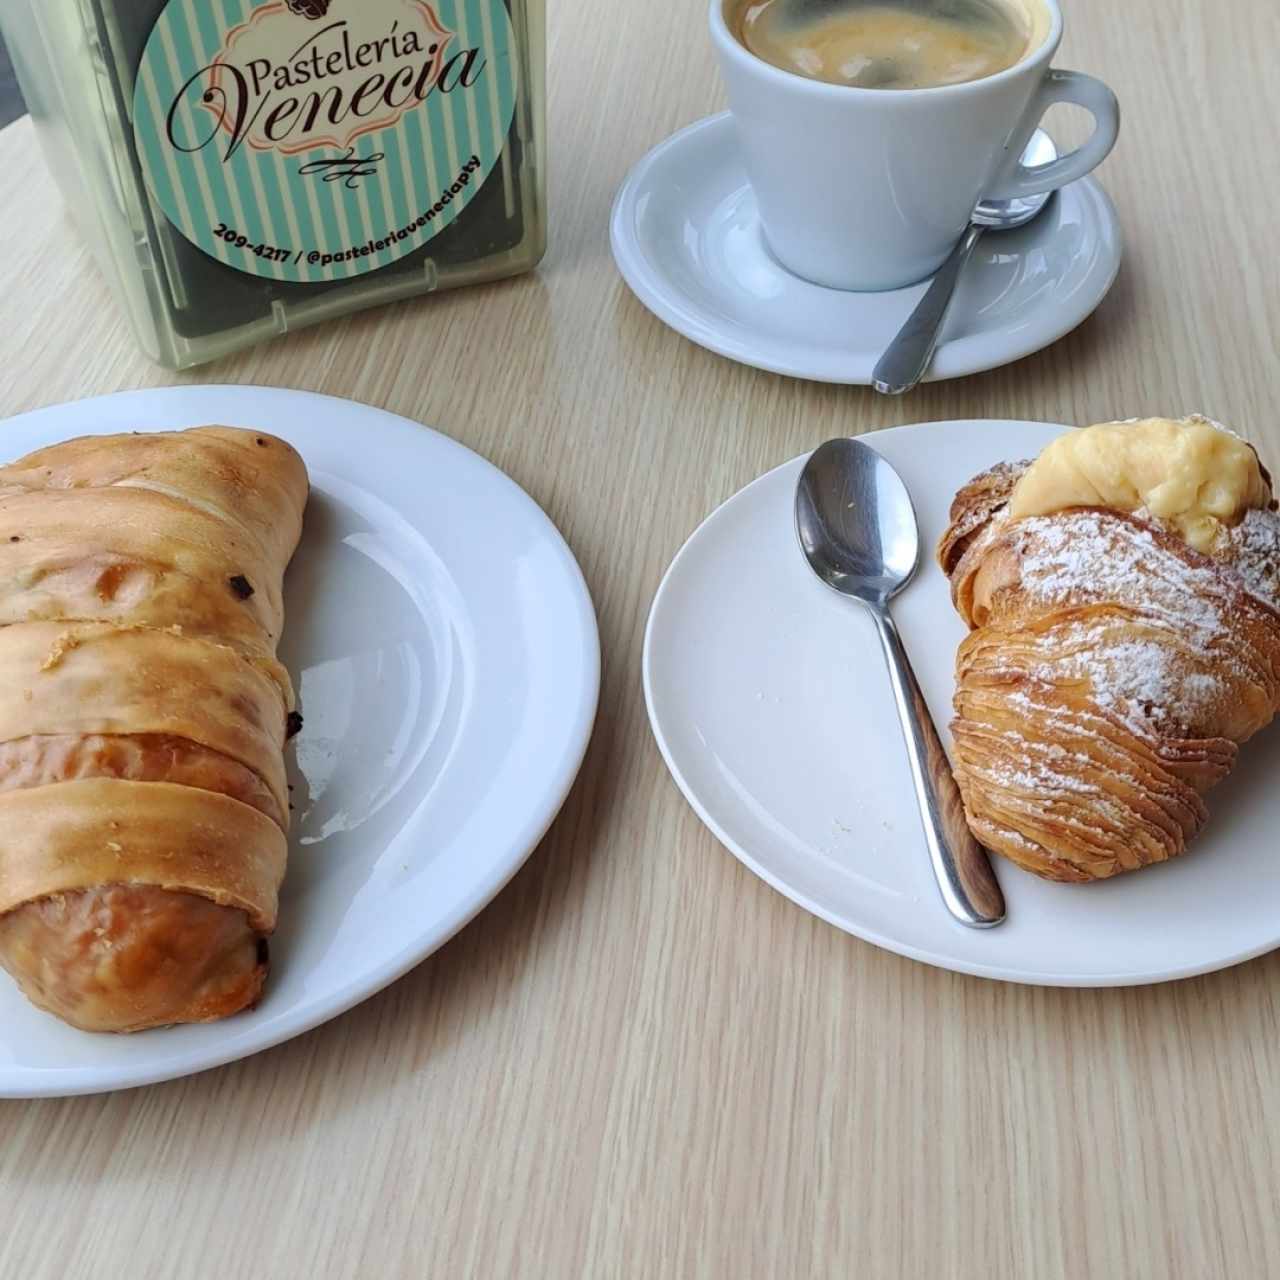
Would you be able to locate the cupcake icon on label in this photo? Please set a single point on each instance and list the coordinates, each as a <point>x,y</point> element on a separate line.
<point>312,9</point>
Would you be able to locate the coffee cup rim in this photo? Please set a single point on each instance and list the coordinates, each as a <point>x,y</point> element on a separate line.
<point>734,48</point>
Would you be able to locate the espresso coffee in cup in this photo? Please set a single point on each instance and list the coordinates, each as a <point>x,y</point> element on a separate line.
<point>884,44</point>
<point>870,129</point>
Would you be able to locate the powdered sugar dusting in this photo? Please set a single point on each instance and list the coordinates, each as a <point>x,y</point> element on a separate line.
<point>1157,648</point>
<point>1081,557</point>
<point>1253,550</point>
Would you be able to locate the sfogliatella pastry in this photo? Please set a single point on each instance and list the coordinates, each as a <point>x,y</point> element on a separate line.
<point>143,719</point>
<point>1123,593</point>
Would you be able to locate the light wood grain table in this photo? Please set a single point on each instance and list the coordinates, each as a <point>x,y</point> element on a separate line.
<point>642,1061</point>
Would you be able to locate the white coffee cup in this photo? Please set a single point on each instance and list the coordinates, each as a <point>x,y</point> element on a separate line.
<point>870,189</point>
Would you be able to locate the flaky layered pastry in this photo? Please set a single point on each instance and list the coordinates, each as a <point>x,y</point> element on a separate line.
<point>143,719</point>
<point>1112,672</point>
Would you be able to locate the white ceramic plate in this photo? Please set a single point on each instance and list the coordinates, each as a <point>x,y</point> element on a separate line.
<point>686,237</point>
<point>767,695</point>
<point>446,656</point>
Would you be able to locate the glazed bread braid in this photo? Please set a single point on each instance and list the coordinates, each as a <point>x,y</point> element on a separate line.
<point>143,718</point>
<point>1111,675</point>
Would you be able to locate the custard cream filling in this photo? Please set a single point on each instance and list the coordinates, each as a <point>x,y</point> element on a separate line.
<point>1193,475</point>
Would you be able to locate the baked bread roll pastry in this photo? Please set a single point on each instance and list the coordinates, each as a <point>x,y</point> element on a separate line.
<point>143,720</point>
<point>1122,593</point>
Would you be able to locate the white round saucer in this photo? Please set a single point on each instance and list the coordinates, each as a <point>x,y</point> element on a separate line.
<point>687,239</point>
<point>769,700</point>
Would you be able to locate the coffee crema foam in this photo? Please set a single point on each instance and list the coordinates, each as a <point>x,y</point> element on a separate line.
<point>889,44</point>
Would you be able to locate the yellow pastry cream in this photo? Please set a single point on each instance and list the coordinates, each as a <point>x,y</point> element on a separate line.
<point>1194,475</point>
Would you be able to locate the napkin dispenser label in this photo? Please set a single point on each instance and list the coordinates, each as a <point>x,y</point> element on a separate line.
<point>316,140</point>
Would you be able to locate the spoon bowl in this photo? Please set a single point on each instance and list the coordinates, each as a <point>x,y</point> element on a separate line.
<point>856,523</point>
<point>1009,215</point>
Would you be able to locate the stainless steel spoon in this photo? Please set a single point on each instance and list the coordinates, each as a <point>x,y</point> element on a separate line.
<point>907,358</point>
<point>858,530</point>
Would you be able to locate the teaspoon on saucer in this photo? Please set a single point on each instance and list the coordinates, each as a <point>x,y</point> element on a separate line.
<point>858,530</point>
<point>907,358</point>
<point>687,237</point>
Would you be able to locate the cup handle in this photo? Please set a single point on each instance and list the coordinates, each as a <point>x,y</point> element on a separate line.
<point>1017,180</point>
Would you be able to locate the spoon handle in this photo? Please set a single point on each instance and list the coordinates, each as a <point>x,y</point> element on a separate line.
<point>907,358</point>
<point>961,864</point>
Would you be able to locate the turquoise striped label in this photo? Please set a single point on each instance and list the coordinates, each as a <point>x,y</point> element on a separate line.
<point>314,140</point>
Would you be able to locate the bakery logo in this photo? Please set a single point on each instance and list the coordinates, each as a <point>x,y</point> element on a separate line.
<point>360,71</point>
<point>319,140</point>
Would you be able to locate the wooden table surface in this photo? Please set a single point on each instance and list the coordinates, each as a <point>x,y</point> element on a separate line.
<point>641,1060</point>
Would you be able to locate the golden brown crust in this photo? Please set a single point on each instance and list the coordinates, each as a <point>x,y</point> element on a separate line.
<point>78,835</point>
<point>973,508</point>
<point>195,550</point>
<point>43,760</point>
<point>143,715</point>
<point>250,482</point>
<point>99,679</point>
<point>131,580</point>
<point>154,530</point>
<point>1111,674</point>
<point>127,958</point>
